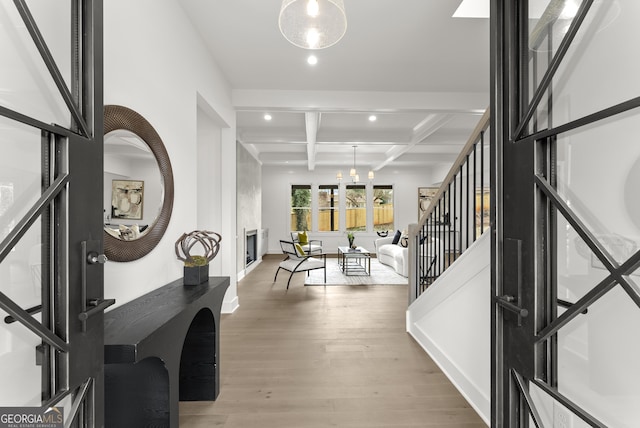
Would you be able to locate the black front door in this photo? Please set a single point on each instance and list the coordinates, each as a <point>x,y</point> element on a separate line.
<point>566,253</point>
<point>51,289</point>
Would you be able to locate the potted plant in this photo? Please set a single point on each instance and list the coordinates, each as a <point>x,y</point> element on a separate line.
<point>196,266</point>
<point>350,237</point>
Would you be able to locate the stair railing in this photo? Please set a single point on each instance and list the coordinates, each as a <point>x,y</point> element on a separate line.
<point>457,214</point>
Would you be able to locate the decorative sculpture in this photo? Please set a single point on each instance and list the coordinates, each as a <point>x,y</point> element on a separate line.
<point>196,267</point>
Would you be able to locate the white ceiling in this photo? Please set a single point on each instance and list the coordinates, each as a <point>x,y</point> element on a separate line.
<point>423,73</point>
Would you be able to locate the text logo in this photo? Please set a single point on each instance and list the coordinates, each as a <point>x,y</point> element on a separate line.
<point>31,417</point>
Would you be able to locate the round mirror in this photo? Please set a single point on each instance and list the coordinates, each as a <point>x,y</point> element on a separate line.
<point>138,185</point>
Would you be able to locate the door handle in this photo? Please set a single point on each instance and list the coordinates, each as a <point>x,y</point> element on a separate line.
<point>513,280</point>
<point>93,258</point>
<point>96,305</point>
<point>506,302</point>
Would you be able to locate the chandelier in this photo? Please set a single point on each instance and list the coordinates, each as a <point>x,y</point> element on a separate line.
<point>353,173</point>
<point>313,24</point>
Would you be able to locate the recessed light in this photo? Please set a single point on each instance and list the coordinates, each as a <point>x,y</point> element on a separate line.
<point>267,117</point>
<point>312,60</point>
<point>372,118</point>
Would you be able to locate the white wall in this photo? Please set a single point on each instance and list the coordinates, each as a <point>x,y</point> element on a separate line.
<point>157,65</point>
<point>276,200</point>
<point>215,165</point>
<point>451,320</point>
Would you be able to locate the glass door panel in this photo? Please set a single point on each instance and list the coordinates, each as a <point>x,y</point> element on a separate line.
<point>594,57</point>
<point>21,280</point>
<point>549,21</point>
<point>26,85</point>
<point>544,405</point>
<point>20,174</point>
<point>551,412</point>
<point>578,269</point>
<point>599,176</point>
<point>54,22</point>
<point>21,377</point>
<point>22,276</point>
<point>598,354</point>
<point>21,271</point>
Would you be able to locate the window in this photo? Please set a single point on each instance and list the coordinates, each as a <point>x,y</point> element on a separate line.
<point>328,208</point>
<point>300,207</point>
<point>333,208</point>
<point>383,208</point>
<point>356,207</point>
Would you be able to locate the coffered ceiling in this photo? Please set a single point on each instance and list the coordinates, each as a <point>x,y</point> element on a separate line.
<point>421,72</point>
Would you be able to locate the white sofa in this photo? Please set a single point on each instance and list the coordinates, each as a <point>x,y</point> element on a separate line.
<point>393,255</point>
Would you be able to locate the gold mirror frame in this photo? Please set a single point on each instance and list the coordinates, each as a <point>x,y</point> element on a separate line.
<point>119,117</point>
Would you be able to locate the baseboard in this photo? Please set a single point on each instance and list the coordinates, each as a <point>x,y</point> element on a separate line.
<point>248,270</point>
<point>474,396</point>
<point>229,307</point>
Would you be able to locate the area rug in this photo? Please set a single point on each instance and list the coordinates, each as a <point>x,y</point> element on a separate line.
<point>380,275</point>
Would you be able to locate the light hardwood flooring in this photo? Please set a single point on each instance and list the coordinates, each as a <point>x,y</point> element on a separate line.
<point>315,356</point>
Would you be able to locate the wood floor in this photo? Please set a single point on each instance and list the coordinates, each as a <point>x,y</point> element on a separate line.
<point>315,356</point>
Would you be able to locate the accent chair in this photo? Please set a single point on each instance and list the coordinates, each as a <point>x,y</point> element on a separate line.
<point>299,261</point>
<point>310,246</point>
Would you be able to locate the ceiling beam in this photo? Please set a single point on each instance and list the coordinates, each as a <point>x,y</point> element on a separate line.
<point>271,135</point>
<point>326,136</point>
<point>356,101</point>
<point>312,123</point>
<point>420,132</point>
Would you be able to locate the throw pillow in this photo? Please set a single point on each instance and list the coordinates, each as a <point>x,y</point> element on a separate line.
<point>126,233</point>
<point>396,237</point>
<point>302,238</point>
<point>299,250</point>
<point>136,231</point>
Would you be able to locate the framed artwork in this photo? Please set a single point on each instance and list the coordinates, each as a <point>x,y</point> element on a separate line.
<point>127,199</point>
<point>425,195</point>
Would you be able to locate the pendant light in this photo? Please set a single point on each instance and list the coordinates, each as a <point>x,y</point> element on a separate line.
<point>313,24</point>
<point>353,173</point>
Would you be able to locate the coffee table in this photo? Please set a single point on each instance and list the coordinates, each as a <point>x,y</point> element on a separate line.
<point>354,262</point>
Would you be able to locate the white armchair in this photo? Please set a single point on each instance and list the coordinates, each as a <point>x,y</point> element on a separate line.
<point>296,262</point>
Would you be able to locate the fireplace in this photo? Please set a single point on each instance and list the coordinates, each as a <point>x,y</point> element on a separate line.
<point>251,246</point>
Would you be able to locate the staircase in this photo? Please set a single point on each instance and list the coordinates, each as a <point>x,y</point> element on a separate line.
<point>449,311</point>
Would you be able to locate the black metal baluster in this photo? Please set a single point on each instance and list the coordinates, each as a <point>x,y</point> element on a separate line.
<point>468,205</point>
<point>475,193</point>
<point>449,252</point>
<point>482,182</point>
<point>461,208</point>
<point>455,217</point>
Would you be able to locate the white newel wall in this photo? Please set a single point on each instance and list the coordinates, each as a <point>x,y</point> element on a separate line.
<point>452,322</point>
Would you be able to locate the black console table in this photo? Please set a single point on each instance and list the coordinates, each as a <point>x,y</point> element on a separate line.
<point>161,348</point>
